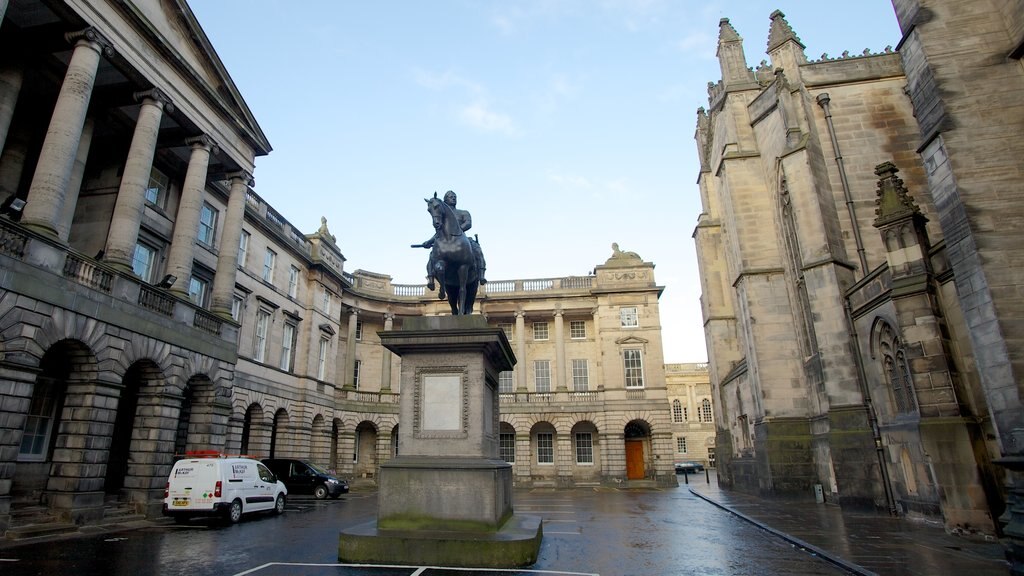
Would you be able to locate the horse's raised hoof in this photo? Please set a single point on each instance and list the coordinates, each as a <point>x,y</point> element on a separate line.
<point>430,285</point>
<point>441,295</point>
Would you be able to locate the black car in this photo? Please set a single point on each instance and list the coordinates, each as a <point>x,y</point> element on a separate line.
<point>682,467</point>
<point>304,477</point>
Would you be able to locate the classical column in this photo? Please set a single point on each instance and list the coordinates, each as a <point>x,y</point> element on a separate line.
<point>227,256</point>
<point>350,350</point>
<point>131,195</point>
<point>597,382</point>
<point>57,157</point>
<point>521,350</point>
<point>75,184</point>
<point>385,366</point>
<point>10,88</point>
<point>186,225</point>
<point>560,368</point>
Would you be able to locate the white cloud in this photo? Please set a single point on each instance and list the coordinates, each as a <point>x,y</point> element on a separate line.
<point>445,80</point>
<point>478,115</point>
<point>570,180</point>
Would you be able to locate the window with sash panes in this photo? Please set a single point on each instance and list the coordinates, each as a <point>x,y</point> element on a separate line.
<point>540,330</point>
<point>545,448</point>
<point>677,411</point>
<point>577,329</point>
<point>509,329</point>
<point>293,281</point>
<point>359,329</point>
<point>580,375</point>
<point>506,382</point>
<point>142,262</point>
<point>628,317</point>
<point>705,411</point>
<point>321,359</point>
<point>236,308</point>
<point>356,368</point>
<point>542,375</point>
<point>325,301</point>
<point>507,446</point>
<point>681,444</point>
<point>243,248</point>
<point>156,190</point>
<point>288,347</point>
<point>633,368</point>
<point>35,437</point>
<point>259,344</point>
<point>198,291</point>
<point>584,448</point>
<point>269,261</point>
<point>207,224</point>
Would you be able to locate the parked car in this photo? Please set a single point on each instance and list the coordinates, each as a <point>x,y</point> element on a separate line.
<point>688,466</point>
<point>304,477</point>
<point>209,484</point>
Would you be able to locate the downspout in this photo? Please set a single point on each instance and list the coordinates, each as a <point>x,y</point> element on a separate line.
<point>823,101</point>
<point>890,500</point>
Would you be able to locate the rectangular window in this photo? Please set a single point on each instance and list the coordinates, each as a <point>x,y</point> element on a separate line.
<point>628,317</point>
<point>321,359</point>
<point>207,224</point>
<point>293,282</point>
<point>236,308</point>
<point>269,259</point>
<point>359,329</point>
<point>545,448</point>
<point>243,248</point>
<point>259,345</point>
<point>506,382</point>
<point>198,291</point>
<point>325,302</point>
<point>577,329</point>
<point>39,423</point>
<point>288,347</point>
<point>580,375</point>
<point>584,448</point>
<point>540,330</point>
<point>681,445</point>
<point>355,373</point>
<point>542,375</point>
<point>634,368</point>
<point>507,446</point>
<point>508,328</point>
<point>156,190</point>
<point>142,262</point>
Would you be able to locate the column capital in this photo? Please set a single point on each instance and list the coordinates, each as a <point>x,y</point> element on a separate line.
<point>557,313</point>
<point>520,314</point>
<point>353,311</point>
<point>92,36</point>
<point>243,175</point>
<point>202,141</point>
<point>157,95</point>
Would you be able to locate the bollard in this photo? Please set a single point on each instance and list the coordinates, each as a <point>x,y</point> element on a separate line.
<point>686,477</point>
<point>707,476</point>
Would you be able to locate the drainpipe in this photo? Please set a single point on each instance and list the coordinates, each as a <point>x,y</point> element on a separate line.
<point>823,101</point>
<point>890,500</point>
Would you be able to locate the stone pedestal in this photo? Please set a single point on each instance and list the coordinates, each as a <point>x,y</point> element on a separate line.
<point>446,499</point>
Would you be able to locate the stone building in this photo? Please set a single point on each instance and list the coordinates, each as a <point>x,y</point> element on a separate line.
<point>151,303</point>
<point>860,297</point>
<point>691,403</point>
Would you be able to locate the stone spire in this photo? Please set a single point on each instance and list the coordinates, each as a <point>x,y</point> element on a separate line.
<point>784,46</point>
<point>703,127</point>
<point>730,54</point>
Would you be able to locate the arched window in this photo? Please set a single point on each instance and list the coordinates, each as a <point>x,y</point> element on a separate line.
<point>705,411</point>
<point>895,369</point>
<point>677,411</point>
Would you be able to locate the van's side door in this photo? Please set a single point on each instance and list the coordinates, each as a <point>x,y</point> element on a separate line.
<point>301,477</point>
<point>264,488</point>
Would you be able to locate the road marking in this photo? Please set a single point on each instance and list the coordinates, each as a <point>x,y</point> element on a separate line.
<point>419,570</point>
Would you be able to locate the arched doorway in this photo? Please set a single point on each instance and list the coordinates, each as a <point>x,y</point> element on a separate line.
<point>335,430</point>
<point>278,431</point>
<point>637,437</point>
<point>365,457</point>
<point>138,376</point>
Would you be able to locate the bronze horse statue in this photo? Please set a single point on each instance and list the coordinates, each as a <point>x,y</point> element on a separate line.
<point>452,260</point>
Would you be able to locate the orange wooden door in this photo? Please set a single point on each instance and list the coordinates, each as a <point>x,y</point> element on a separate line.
<point>634,459</point>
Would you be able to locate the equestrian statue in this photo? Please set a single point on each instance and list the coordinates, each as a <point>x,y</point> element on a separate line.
<point>456,262</point>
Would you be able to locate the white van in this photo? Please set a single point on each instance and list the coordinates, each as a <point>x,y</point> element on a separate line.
<point>215,485</point>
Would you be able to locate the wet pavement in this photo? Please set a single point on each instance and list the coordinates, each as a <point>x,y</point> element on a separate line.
<point>695,529</point>
<point>861,542</point>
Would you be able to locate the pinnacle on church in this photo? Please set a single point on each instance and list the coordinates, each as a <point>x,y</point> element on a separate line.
<point>726,33</point>
<point>780,32</point>
<point>894,202</point>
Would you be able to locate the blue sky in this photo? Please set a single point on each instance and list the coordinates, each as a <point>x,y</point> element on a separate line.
<point>562,125</point>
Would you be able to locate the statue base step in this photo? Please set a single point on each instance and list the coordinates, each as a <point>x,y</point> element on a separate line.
<point>515,544</point>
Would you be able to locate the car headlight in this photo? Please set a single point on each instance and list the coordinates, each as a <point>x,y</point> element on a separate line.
<point>332,481</point>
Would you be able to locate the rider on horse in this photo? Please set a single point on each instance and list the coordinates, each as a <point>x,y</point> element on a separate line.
<point>465,222</point>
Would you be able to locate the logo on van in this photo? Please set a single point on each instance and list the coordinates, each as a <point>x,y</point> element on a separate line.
<point>239,469</point>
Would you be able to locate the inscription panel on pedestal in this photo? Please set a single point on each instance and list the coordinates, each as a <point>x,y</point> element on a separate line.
<point>441,403</point>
